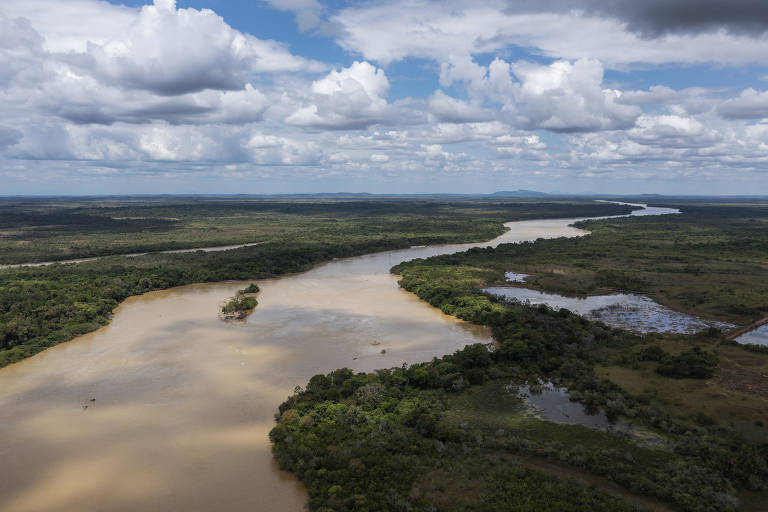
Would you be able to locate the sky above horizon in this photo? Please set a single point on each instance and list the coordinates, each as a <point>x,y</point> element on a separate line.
<point>302,96</point>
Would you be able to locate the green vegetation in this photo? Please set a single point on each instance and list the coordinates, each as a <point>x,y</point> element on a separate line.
<point>694,364</point>
<point>251,288</point>
<point>43,306</point>
<point>709,261</point>
<point>442,434</point>
<point>239,307</point>
<point>452,434</point>
<point>54,230</point>
<point>241,304</point>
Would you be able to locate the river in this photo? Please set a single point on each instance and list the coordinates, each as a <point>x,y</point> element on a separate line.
<point>168,408</point>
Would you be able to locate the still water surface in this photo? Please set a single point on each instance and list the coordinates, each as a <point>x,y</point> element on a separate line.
<point>168,407</point>
<point>757,337</point>
<point>623,310</point>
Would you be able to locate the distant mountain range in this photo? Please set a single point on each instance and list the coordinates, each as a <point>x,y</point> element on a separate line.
<point>519,193</point>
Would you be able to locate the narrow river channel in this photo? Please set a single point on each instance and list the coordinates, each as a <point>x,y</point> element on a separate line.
<point>168,407</point>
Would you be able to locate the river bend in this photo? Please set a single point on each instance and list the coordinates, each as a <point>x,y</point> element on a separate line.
<point>168,407</point>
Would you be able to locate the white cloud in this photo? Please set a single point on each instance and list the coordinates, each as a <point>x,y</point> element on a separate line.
<point>445,108</point>
<point>386,32</point>
<point>106,88</point>
<point>69,26</point>
<point>750,104</point>
<point>308,12</point>
<point>529,147</point>
<point>352,97</point>
<point>674,144</point>
<point>392,139</point>
<point>562,96</point>
<point>156,48</point>
<point>169,51</point>
<point>568,97</point>
<point>453,133</point>
<point>656,94</point>
<point>379,158</point>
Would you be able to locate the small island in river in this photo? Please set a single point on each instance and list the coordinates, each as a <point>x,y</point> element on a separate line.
<point>239,306</point>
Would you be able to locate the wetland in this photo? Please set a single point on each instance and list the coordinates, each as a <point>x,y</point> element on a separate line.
<point>164,406</point>
<point>184,402</point>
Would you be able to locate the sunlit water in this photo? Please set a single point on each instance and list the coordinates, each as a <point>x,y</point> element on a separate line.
<point>168,407</point>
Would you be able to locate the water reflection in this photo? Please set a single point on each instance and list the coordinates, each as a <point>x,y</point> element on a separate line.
<point>553,403</point>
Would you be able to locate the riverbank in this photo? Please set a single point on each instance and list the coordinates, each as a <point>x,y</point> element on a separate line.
<point>451,432</point>
<point>708,262</point>
<point>184,402</point>
<point>43,306</point>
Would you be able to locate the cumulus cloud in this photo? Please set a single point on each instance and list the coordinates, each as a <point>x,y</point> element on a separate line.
<point>525,146</point>
<point>448,109</point>
<point>676,144</point>
<point>750,104</point>
<point>656,94</point>
<point>562,97</point>
<point>175,65</point>
<point>352,97</point>
<point>391,139</point>
<point>569,97</point>
<point>275,150</point>
<point>673,131</point>
<point>124,89</point>
<point>69,26</point>
<point>392,31</point>
<point>170,52</point>
<point>21,52</point>
<point>454,133</point>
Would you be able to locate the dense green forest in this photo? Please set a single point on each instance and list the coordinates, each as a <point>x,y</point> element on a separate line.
<point>43,306</point>
<point>453,434</point>
<point>54,231</point>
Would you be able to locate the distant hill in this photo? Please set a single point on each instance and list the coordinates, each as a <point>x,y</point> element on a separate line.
<point>519,193</point>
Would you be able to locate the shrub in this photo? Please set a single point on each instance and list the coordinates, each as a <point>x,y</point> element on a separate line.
<point>694,364</point>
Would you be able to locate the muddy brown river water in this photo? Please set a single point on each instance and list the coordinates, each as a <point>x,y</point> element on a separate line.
<point>168,407</point>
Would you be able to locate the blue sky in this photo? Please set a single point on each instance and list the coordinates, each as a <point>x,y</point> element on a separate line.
<point>215,96</point>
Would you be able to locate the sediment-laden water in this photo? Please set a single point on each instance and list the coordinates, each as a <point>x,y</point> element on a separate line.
<point>168,407</point>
